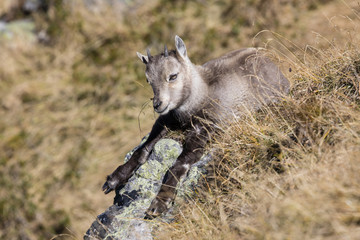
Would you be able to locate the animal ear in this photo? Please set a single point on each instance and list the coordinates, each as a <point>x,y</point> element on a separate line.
<point>180,47</point>
<point>143,58</point>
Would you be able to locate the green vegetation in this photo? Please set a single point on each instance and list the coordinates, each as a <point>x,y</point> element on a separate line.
<point>71,107</point>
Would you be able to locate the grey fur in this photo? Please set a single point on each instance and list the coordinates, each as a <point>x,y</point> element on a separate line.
<point>238,82</point>
<point>143,58</point>
<point>180,47</point>
<point>240,79</point>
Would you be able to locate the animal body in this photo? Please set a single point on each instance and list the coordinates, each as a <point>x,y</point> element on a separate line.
<point>185,93</point>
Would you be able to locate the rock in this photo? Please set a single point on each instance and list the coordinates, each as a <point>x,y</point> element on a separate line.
<point>31,6</point>
<point>20,29</point>
<point>125,219</point>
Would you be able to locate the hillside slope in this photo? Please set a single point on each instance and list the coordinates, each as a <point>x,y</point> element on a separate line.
<point>71,108</point>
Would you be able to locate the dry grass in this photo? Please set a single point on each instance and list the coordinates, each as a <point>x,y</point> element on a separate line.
<point>69,112</point>
<point>289,171</point>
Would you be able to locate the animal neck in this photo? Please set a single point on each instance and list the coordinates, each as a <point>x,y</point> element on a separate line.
<point>198,92</point>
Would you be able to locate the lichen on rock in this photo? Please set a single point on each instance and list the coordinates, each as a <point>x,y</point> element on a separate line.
<point>21,29</point>
<point>125,219</point>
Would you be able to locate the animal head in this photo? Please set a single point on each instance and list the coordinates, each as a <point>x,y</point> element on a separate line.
<point>168,75</point>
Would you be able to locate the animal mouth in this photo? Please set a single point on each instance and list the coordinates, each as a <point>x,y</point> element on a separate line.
<point>163,110</point>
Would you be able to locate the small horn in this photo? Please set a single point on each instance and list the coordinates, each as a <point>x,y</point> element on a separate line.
<point>166,53</point>
<point>148,54</point>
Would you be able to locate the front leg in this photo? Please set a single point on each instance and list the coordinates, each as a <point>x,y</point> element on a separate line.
<point>192,152</point>
<point>123,172</point>
<point>121,175</point>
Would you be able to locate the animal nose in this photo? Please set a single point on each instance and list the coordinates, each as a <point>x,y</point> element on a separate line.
<point>157,103</point>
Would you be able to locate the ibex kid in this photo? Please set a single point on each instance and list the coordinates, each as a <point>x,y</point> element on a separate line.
<point>185,93</point>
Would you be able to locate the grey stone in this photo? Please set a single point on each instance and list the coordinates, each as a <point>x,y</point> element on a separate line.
<point>125,219</point>
<point>33,5</point>
<point>24,29</point>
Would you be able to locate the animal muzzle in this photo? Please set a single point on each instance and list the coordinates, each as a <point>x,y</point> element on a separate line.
<point>160,107</point>
<point>157,104</point>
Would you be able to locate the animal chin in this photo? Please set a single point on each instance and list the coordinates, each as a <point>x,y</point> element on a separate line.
<point>163,111</point>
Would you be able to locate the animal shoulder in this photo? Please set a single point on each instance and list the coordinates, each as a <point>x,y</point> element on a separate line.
<point>234,61</point>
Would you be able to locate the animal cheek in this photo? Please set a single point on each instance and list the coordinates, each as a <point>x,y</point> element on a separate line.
<point>176,86</point>
<point>175,98</point>
<point>165,98</point>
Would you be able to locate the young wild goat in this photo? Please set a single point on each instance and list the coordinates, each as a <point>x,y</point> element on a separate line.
<point>185,93</point>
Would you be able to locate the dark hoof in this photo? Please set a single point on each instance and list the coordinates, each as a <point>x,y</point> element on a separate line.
<point>157,207</point>
<point>148,217</point>
<point>110,185</point>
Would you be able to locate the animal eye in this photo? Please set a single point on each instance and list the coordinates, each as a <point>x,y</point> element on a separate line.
<point>173,77</point>
<point>147,80</point>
